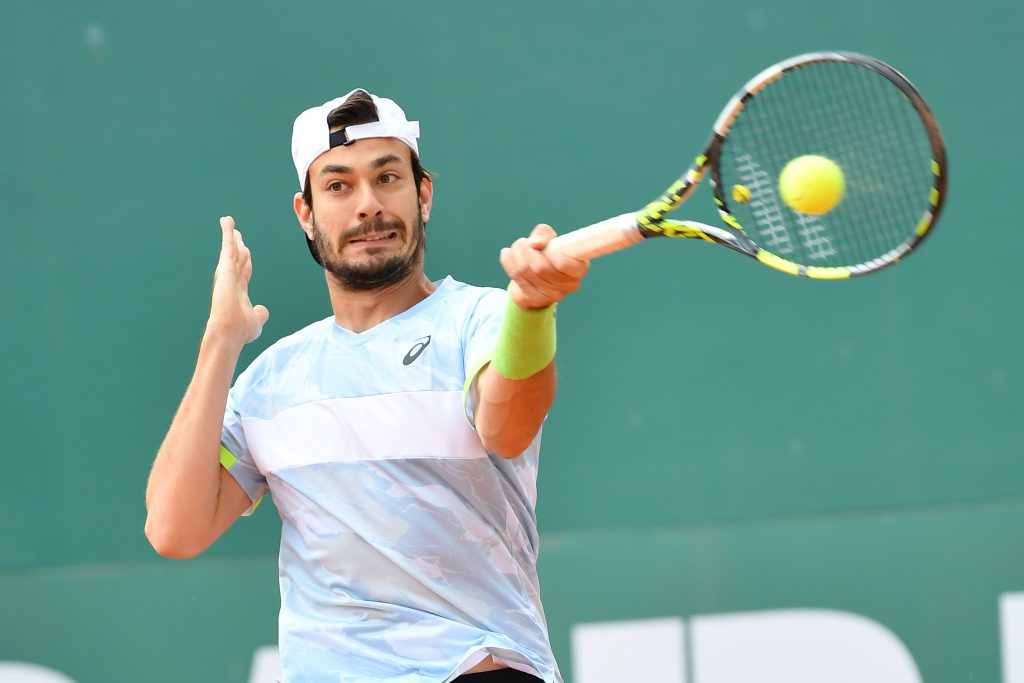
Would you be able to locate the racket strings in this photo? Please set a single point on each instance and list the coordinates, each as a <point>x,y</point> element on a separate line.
<point>860,120</point>
<point>877,234</point>
<point>884,226</point>
<point>865,131</point>
<point>818,127</point>
<point>914,128</point>
<point>909,164</point>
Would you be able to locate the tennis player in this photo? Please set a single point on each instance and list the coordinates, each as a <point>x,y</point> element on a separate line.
<point>398,437</point>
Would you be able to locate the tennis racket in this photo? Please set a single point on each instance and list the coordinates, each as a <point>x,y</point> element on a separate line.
<point>854,110</point>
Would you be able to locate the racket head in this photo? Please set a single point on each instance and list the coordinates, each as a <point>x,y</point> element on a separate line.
<point>866,117</point>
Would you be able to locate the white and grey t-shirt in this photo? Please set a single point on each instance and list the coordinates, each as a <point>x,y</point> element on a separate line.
<point>408,552</point>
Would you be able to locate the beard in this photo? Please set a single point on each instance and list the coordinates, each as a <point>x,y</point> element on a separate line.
<point>376,271</point>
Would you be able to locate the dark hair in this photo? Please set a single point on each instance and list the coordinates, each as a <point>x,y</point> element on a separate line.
<point>357,109</point>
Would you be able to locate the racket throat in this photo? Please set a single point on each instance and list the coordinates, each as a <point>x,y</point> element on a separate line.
<point>709,233</point>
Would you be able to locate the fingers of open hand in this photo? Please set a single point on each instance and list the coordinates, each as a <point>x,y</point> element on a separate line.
<point>227,243</point>
<point>231,311</point>
<point>235,258</point>
<point>243,258</point>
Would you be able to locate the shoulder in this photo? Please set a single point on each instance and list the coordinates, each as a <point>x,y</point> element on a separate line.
<point>471,301</point>
<point>313,331</point>
<point>284,350</point>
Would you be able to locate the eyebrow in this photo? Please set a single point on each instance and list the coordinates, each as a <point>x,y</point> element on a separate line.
<point>376,163</point>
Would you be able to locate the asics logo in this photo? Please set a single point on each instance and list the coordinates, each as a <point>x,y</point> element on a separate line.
<point>416,350</point>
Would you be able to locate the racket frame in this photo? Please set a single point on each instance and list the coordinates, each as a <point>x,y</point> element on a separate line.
<point>626,230</point>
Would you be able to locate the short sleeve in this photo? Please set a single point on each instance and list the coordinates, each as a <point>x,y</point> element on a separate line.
<point>480,335</point>
<point>235,456</point>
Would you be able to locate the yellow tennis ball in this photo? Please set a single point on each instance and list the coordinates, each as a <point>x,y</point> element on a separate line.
<point>812,184</point>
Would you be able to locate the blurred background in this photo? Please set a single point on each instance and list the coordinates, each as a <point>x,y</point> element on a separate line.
<point>727,440</point>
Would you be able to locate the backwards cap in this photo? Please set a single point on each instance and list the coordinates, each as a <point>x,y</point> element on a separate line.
<point>311,136</point>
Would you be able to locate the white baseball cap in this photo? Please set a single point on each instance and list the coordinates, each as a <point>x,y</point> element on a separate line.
<point>311,137</point>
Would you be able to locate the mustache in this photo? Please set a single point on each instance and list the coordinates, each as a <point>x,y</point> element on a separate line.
<point>370,227</point>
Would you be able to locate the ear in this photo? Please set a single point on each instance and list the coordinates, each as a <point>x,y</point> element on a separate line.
<point>426,197</point>
<point>305,215</point>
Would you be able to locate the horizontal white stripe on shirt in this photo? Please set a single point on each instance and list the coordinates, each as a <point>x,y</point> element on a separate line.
<point>421,424</point>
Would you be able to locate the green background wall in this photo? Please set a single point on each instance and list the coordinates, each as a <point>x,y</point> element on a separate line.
<point>726,438</point>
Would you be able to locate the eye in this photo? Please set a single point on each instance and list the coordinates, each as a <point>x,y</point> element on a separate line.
<point>336,186</point>
<point>388,178</point>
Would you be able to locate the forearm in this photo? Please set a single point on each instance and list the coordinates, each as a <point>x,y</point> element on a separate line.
<point>184,485</point>
<point>515,392</point>
<point>516,389</point>
<point>510,412</point>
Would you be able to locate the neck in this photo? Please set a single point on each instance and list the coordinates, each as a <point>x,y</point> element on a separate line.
<point>359,310</point>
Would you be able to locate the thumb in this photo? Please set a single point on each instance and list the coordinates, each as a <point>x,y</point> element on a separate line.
<point>541,235</point>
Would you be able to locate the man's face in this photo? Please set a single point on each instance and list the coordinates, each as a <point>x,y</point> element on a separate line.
<point>368,216</point>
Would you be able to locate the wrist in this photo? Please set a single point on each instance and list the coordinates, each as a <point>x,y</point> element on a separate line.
<point>526,341</point>
<point>220,337</point>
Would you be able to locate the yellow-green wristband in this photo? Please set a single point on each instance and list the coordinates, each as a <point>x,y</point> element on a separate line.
<point>526,342</point>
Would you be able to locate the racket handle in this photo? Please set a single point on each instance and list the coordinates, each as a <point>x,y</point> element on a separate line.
<point>613,234</point>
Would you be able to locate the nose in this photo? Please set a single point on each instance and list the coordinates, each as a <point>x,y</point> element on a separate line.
<point>369,204</point>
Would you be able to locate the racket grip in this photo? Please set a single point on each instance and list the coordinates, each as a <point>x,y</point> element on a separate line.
<point>613,234</point>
